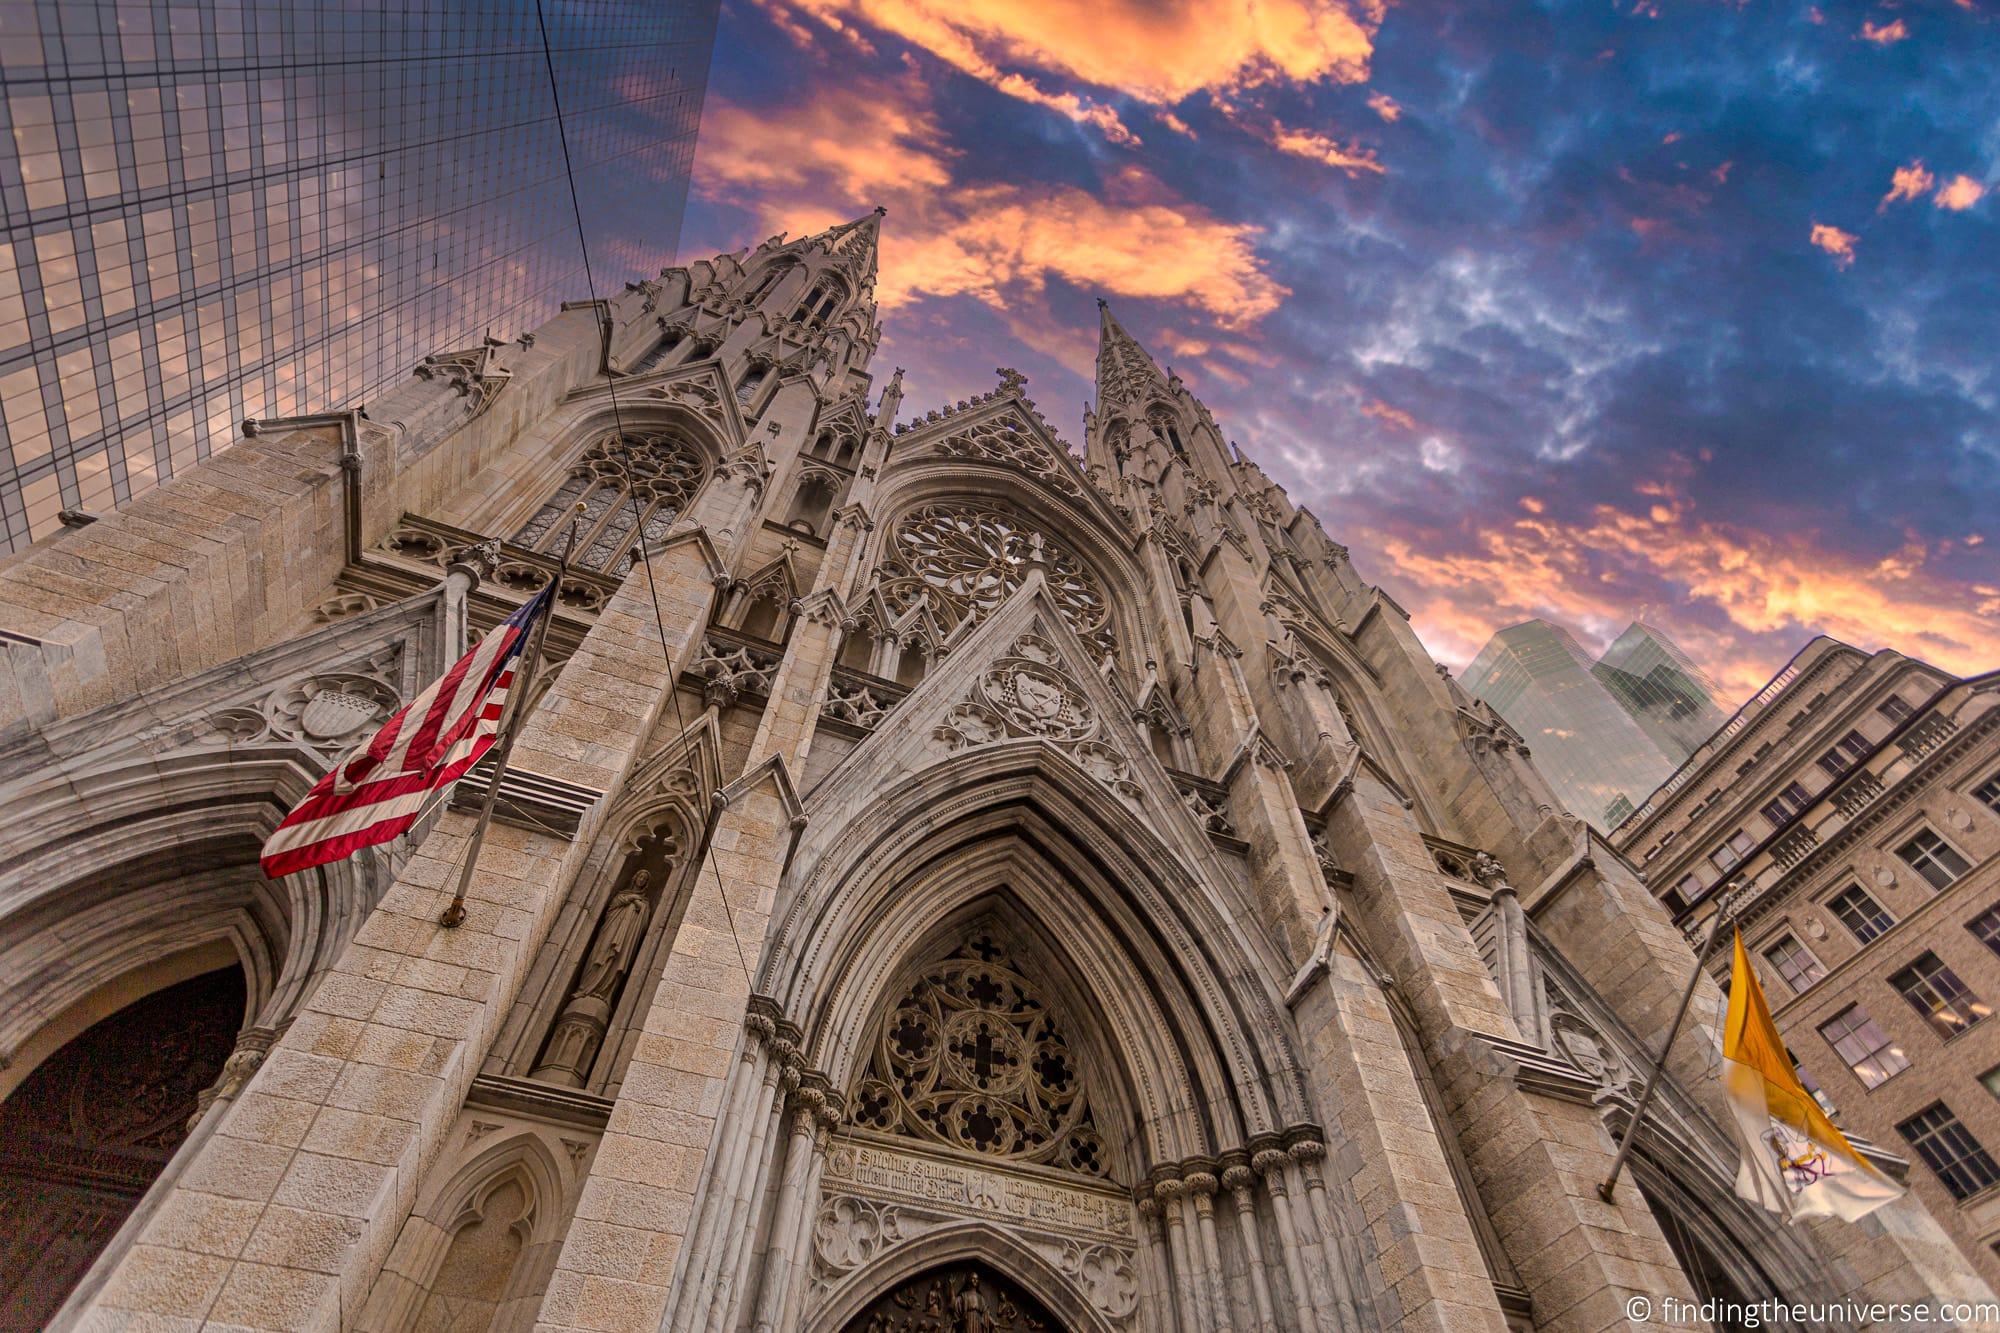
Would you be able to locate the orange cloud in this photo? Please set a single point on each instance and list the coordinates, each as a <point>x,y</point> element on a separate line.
<point>1907,183</point>
<point>1886,34</point>
<point>855,145</point>
<point>1960,193</point>
<point>1592,573</point>
<point>1351,158</point>
<point>1385,106</point>
<point>1838,243</point>
<point>1002,241</point>
<point>1394,416</point>
<point>1140,49</point>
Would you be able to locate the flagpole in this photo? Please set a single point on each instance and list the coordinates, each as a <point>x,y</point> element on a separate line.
<point>1605,1190</point>
<point>453,915</point>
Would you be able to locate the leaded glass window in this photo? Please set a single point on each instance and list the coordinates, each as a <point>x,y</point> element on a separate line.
<point>628,484</point>
<point>965,557</point>
<point>971,1057</point>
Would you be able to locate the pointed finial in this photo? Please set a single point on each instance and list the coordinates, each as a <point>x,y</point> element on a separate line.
<point>881,212</point>
<point>1103,304</point>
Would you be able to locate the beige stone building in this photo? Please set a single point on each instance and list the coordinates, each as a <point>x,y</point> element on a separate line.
<point>1857,797</point>
<point>946,881</point>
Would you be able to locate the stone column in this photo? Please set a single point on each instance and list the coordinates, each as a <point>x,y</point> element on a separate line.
<point>1241,1183</point>
<point>827,1116</point>
<point>778,1258</point>
<point>1193,1309</point>
<point>749,1095</point>
<point>1159,1295</point>
<point>1201,1187</point>
<point>1270,1163</point>
<point>740,1251</point>
<point>1306,1155</point>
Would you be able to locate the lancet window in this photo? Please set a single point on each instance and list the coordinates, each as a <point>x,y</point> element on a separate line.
<point>627,484</point>
<point>972,1057</point>
<point>964,557</point>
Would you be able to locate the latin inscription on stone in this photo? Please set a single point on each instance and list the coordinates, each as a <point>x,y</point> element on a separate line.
<point>960,1187</point>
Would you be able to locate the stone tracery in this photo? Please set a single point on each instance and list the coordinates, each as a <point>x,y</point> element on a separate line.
<point>964,557</point>
<point>661,469</point>
<point>971,1057</point>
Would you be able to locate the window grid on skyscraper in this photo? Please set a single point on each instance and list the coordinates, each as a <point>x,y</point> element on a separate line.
<point>217,210</point>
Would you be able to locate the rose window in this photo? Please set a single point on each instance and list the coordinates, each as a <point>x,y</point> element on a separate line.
<point>629,484</point>
<point>971,1058</point>
<point>965,558</point>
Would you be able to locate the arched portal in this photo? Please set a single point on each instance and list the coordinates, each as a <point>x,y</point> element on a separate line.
<point>86,1134</point>
<point>971,1296</point>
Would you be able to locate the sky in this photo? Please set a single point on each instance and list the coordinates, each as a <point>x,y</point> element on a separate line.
<point>1586,311</point>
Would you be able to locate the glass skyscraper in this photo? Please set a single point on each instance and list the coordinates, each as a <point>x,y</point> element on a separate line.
<point>1604,733</point>
<point>220,209</point>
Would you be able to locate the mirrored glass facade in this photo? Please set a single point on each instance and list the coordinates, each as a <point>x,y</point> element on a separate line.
<point>1604,733</point>
<point>220,209</point>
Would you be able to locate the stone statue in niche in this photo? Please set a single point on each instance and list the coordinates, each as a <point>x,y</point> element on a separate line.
<point>586,1014</point>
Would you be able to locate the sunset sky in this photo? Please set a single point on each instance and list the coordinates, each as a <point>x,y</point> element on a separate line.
<point>1568,310</point>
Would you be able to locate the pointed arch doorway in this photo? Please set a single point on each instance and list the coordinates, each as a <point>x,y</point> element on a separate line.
<point>963,1297</point>
<point>84,1136</point>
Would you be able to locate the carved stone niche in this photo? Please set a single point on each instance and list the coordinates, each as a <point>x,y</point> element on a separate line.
<point>600,976</point>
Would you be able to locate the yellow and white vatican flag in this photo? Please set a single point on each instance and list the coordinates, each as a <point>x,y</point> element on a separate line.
<point>1796,1162</point>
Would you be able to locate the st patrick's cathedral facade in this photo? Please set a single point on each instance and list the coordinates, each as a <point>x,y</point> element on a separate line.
<point>947,880</point>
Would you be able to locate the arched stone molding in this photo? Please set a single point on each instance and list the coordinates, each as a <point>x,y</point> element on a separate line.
<point>485,1153</point>
<point>1096,539</point>
<point>1135,920</point>
<point>1036,1274</point>
<point>160,856</point>
<point>693,400</point>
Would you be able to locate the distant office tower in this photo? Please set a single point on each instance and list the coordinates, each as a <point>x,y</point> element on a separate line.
<point>216,211</point>
<point>1605,732</point>
<point>1662,688</point>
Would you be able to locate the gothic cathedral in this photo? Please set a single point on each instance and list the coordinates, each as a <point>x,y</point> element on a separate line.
<point>945,881</point>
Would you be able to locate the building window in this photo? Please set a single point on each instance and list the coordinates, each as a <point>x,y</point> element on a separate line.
<point>631,487</point>
<point>1949,1149</point>
<point>1933,858</point>
<point>1860,913</point>
<point>1787,804</point>
<point>1988,793</point>
<point>1732,851</point>
<point>1894,708</point>
<point>1794,962</point>
<point>1990,1080</point>
<point>1865,1046</point>
<point>1849,751</point>
<point>1689,888</point>
<point>1986,927</point>
<point>1935,992</point>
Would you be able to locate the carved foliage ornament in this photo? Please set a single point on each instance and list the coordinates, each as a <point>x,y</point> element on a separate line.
<point>971,1057</point>
<point>642,479</point>
<point>963,558</point>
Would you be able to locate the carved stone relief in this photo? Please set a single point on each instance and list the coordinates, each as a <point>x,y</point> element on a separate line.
<point>1028,693</point>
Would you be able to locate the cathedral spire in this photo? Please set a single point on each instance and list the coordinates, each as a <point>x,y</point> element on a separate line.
<point>858,241</point>
<point>1126,374</point>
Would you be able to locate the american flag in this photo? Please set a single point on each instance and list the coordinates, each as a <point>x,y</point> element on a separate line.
<point>378,793</point>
